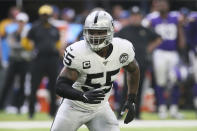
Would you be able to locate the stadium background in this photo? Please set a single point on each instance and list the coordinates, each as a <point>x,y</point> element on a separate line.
<point>31,8</point>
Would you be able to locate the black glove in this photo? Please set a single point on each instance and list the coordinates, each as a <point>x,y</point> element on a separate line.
<point>130,106</point>
<point>93,96</point>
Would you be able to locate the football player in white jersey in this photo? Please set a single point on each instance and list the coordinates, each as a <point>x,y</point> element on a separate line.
<point>85,82</point>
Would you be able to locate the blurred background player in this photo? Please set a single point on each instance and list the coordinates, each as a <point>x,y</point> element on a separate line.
<point>73,29</point>
<point>18,61</point>
<point>166,57</point>
<point>44,40</point>
<point>192,46</point>
<point>12,12</point>
<point>61,25</point>
<point>121,17</point>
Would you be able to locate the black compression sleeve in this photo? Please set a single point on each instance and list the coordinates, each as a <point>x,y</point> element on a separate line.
<point>64,89</point>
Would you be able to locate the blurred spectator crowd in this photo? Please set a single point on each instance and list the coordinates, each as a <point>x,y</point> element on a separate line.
<point>21,57</point>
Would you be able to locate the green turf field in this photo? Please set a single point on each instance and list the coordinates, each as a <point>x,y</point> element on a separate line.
<point>189,115</point>
<point>23,117</point>
<point>4,117</point>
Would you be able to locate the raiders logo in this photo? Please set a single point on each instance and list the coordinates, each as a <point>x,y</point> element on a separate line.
<point>123,58</point>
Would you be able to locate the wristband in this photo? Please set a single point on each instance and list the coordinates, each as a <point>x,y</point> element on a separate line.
<point>132,98</point>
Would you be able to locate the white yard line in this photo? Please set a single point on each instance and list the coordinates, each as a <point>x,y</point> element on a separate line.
<point>160,123</point>
<point>134,124</point>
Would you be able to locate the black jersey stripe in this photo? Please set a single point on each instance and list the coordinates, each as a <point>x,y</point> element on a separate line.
<point>96,17</point>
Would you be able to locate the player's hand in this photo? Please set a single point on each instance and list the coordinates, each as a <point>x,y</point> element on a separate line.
<point>93,96</point>
<point>130,106</point>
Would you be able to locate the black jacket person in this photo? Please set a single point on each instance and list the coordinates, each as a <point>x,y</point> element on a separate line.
<point>43,39</point>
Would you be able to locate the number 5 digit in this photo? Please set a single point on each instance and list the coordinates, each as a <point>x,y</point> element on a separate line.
<point>68,58</point>
<point>109,80</point>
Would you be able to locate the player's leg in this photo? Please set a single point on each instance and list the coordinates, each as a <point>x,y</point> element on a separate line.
<point>23,66</point>
<point>52,74</point>
<point>173,59</point>
<point>104,120</point>
<point>195,96</point>
<point>160,67</point>
<point>67,119</point>
<point>36,77</point>
<point>8,82</point>
<point>193,61</point>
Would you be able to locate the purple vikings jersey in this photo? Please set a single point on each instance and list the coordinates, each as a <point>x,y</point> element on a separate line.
<point>192,31</point>
<point>167,29</point>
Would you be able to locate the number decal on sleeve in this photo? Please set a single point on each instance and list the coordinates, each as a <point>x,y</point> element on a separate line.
<point>68,58</point>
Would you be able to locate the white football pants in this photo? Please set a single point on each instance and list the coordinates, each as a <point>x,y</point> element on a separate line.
<point>70,117</point>
<point>163,61</point>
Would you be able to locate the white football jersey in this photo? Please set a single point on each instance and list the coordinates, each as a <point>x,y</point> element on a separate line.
<point>97,72</point>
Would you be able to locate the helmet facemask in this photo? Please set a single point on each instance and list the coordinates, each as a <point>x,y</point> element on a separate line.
<point>98,38</point>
